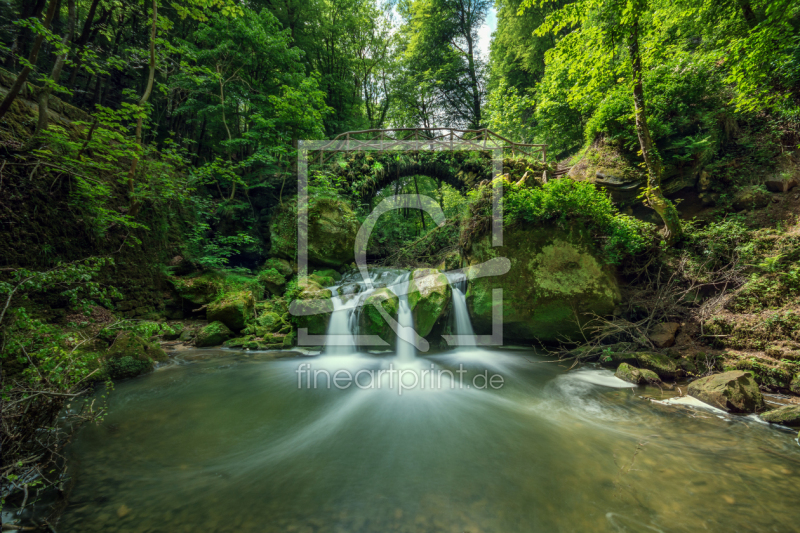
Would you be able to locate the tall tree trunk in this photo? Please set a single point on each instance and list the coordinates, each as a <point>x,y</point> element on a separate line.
<point>475,89</point>
<point>43,98</point>
<point>136,205</point>
<point>28,10</point>
<point>673,232</point>
<point>22,77</point>
<point>81,41</point>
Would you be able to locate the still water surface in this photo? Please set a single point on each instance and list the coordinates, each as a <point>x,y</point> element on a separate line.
<point>227,442</point>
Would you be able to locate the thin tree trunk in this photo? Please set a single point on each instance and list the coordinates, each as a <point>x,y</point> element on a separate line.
<point>673,232</point>
<point>419,201</point>
<point>19,83</point>
<point>43,98</point>
<point>135,205</point>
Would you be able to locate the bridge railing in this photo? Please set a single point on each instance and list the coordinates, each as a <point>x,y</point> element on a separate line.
<point>425,139</point>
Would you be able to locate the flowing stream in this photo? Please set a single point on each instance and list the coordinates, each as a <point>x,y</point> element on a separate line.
<point>235,441</point>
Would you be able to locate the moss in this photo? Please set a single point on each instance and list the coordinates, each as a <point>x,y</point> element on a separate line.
<point>332,228</point>
<point>206,287</point>
<point>628,373</point>
<point>555,277</point>
<point>130,355</point>
<point>273,280</point>
<point>794,386</point>
<point>371,321</point>
<point>281,265</point>
<point>213,334</point>
<point>328,273</point>
<point>312,308</point>
<point>611,359</point>
<point>662,365</point>
<point>322,280</point>
<point>774,375</point>
<point>429,297</point>
<point>234,310</point>
<point>735,391</point>
<point>788,415</point>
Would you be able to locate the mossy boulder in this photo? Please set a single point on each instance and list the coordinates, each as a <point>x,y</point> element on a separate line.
<point>734,391</point>
<point>556,275</point>
<point>611,359</point>
<point>794,386</point>
<point>283,266</point>
<point>171,332</point>
<point>312,308</point>
<point>637,376</point>
<point>662,365</point>
<point>332,229</point>
<point>234,310</point>
<point>371,322</point>
<point>618,173</point>
<point>130,355</point>
<point>273,281</point>
<point>251,342</point>
<point>429,297</point>
<point>271,322</point>
<point>201,289</point>
<point>628,373</point>
<point>788,415</point>
<point>752,197</point>
<point>213,334</point>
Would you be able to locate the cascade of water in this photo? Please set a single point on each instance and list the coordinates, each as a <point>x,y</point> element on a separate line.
<point>463,324</point>
<point>339,338</point>
<point>405,347</point>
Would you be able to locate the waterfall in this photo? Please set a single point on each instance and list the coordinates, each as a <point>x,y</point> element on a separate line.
<point>405,347</point>
<point>347,299</point>
<point>463,325</point>
<point>339,338</point>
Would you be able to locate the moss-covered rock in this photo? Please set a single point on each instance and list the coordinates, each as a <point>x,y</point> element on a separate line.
<point>752,197</point>
<point>332,229</point>
<point>251,342</point>
<point>628,373</point>
<point>555,277</point>
<point>371,322</point>
<point>788,415</point>
<point>213,334</point>
<point>281,265</point>
<point>201,289</point>
<point>312,308</point>
<point>618,172</point>
<point>171,332</point>
<point>734,391</point>
<point>273,281</point>
<point>613,355</point>
<point>234,310</point>
<point>648,376</point>
<point>662,365</point>
<point>794,386</point>
<point>130,355</point>
<point>429,297</point>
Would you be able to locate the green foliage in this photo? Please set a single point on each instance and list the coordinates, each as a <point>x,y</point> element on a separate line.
<point>563,200</point>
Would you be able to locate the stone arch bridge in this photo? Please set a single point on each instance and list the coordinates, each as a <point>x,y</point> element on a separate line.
<point>372,159</point>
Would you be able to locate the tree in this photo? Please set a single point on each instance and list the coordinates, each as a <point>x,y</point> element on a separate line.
<point>22,77</point>
<point>442,38</point>
<point>611,27</point>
